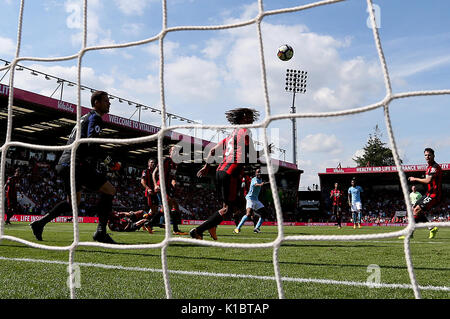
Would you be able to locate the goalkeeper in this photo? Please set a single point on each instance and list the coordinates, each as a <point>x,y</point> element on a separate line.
<point>86,174</point>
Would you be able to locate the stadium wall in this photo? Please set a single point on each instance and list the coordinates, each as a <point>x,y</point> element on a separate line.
<point>87,220</point>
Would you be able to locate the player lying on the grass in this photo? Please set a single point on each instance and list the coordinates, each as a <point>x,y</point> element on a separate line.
<point>129,221</point>
<point>87,156</point>
<point>237,150</point>
<point>254,208</point>
<point>433,196</point>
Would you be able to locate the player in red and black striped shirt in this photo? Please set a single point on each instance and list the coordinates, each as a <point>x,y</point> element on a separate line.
<point>433,180</point>
<point>11,195</point>
<point>336,196</point>
<point>170,169</point>
<point>150,193</point>
<point>237,150</point>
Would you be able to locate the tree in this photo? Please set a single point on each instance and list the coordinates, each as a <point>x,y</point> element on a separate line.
<point>375,152</point>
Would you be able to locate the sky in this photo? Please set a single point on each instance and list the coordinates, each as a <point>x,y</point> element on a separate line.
<point>209,72</point>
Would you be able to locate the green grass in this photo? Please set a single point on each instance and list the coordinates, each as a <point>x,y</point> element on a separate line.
<point>136,274</point>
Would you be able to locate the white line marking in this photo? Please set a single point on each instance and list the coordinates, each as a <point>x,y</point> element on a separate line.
<point>224,275</point>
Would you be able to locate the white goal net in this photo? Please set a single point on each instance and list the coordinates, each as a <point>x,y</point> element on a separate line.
<point>281,238</point>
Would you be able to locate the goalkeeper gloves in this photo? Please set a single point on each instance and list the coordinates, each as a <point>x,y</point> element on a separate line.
<point>112,166</point>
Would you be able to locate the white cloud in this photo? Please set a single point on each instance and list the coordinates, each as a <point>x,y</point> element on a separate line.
<point>96,34</point>
<point>40,85</point>
<point>358,153</point>
<point>7,46</point>
<point>132,29</point>
<point>170,48</point>
<point>411,69</point>
<point>322,143</point>
<point>334,82</point>
<point>192,78</point>
<point>131,7</point>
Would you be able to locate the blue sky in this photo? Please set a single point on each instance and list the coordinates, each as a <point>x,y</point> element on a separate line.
<point>209,72</point>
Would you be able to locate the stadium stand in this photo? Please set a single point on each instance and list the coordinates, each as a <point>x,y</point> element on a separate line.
<point>45,120</point>
<point>383,201</point>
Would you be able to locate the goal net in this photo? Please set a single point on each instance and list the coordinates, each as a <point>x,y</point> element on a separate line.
<point>159,38</point>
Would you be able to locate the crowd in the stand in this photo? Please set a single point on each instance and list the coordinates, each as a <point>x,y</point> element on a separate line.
<point>42,187</point>
<point>386,206</point>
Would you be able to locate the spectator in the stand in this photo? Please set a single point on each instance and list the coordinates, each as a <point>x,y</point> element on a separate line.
<point>414,196</point>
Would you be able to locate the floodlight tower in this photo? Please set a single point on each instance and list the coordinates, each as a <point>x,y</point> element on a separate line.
<point>295,83</point>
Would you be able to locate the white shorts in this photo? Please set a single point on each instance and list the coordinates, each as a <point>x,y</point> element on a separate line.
<point>356,206</point>
<point>254,204</point>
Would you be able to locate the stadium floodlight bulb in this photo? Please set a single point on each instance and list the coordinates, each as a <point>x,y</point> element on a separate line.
<point>295,81</point>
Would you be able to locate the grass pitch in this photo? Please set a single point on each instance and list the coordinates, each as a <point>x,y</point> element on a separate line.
<point>310,269</point>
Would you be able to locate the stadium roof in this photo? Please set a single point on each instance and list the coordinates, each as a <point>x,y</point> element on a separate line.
<point>38,119</point>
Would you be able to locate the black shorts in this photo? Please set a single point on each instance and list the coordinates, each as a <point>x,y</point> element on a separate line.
<point>227,187</point>
<point>153,199</point>
<point>85,175</point>
<point>336,209</point>
<point>427,202</point>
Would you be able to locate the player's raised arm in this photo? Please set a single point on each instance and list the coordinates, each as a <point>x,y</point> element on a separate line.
<point>155,180</point>
<point>212,152</point>
<point>425,180</point>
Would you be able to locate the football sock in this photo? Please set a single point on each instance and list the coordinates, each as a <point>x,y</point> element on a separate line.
<point>155,218</point>
<point>58,210</point>
<point>256,218</point>
<point>214,220</point>
<point>176,219</point>
<point>104,210</point>
<point>260,221</point>
<point>8,216</point>
<point>244,218</point>
<point>421,218</point>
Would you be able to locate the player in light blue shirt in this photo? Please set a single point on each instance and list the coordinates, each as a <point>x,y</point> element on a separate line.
<point>354,201</point>
<point>253,204</point>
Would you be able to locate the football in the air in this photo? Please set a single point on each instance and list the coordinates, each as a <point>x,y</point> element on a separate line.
<point>285,52</point>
